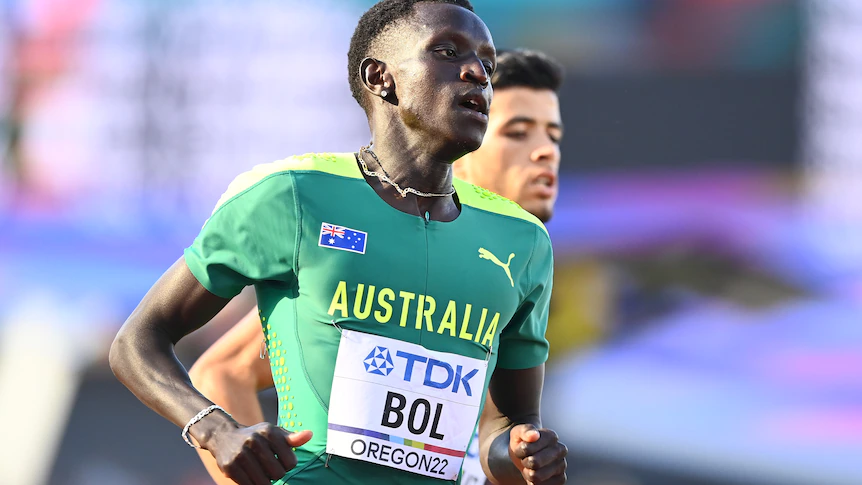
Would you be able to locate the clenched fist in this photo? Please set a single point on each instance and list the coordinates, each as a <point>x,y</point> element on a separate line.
<point>538,455</point>
<point>255,455</point>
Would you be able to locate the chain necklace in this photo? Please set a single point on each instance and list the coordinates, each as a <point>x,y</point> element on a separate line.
<point>384,177</point>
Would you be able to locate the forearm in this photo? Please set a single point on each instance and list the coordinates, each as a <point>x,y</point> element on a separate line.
<point>142,355</point>
<point>513,399</point>
<point>143,359</point>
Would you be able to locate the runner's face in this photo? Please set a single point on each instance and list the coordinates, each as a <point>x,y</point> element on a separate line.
<point>520,156</point>
<point>446,55</point>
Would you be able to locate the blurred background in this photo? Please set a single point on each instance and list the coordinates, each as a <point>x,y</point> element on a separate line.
<point>706,325</point>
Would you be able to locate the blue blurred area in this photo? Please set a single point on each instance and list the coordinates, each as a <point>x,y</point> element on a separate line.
<point>74,261</point>
<point>770,397</point>
<point>740,214</point>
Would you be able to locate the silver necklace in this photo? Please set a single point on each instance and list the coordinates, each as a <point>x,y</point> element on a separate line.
<point>384,177</point>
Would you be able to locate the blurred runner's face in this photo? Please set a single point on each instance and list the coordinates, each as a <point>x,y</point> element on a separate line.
<point>520,155</point>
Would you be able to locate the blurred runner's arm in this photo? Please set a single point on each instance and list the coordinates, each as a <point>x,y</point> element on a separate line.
<point>513,446</point>
<point>230,373</point>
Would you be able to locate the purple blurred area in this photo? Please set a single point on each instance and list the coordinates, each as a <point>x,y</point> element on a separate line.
<point>706,325</point>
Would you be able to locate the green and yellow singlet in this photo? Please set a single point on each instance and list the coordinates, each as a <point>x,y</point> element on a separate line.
<point>383,328</point>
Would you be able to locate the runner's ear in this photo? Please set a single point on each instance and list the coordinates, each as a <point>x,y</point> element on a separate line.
<point>374,76</point>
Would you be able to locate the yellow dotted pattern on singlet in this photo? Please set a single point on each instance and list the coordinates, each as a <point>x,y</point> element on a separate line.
<point>329,157</point>
<point>286,414</point>
<point>491,196</point>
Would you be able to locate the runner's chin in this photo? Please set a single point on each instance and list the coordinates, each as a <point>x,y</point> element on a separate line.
<point>542,208</point>
<point>470,127</point>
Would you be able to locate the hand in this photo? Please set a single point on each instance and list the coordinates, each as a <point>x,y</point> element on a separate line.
<point>538,454</point>
<point>255,455</point>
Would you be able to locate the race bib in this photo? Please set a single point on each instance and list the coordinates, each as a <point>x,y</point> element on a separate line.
<point>400,405</point>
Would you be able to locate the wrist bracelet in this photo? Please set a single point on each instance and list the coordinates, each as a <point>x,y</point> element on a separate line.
<point>199,416</point>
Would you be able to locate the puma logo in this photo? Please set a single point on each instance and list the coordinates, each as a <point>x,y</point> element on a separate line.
<point>485,254</point>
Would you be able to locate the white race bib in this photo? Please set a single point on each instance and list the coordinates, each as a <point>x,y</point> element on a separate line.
<point>400,405</point>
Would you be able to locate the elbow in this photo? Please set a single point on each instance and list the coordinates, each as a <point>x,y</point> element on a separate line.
<point>118,354</point>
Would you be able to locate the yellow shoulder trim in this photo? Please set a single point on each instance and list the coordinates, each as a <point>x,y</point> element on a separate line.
<point>484,199</point>
<point>342,164</point>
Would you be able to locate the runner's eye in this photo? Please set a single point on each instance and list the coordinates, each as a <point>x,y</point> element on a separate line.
<point>447,52</point>
<point>517,135</point>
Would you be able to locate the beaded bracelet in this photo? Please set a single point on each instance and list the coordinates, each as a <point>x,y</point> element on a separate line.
<point>199,416</point>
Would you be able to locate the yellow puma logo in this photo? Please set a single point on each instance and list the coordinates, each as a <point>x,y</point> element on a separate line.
<point>485,254</point>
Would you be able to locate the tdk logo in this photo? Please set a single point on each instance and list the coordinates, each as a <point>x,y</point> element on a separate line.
<point>456,378</point>
<point>379,362</point>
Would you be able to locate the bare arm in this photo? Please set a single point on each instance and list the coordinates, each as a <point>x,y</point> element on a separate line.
<point>231,373</point>
<point>142,357</point>
<point>514,448</point>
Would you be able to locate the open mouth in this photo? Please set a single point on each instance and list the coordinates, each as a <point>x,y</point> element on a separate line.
<point>545,179</point>
<point>545,185</point>
<point>476,103</point>
<point>473,105</point>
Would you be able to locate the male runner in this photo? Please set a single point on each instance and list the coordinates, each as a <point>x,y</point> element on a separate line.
<point>519,159</point>
<point>377,275</point>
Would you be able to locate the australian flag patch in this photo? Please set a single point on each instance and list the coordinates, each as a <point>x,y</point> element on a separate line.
<point>343,238</point>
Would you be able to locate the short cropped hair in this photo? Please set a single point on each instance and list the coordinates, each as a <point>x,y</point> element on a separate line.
<point>372,23</point>
<point>523,68</point>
